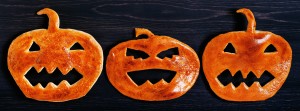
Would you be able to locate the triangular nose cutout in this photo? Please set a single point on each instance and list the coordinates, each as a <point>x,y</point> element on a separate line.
<point>229,48</point>
<point>34,47</point>
<point>76,46</point>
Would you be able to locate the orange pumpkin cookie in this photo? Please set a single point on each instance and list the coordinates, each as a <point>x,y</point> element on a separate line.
<point>55,53</point>
<point>255,69</point>
<point>120,65</point>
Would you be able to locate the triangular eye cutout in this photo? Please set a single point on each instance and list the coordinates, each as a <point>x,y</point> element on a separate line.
<point>270,49</point>
<point>34,47</point>
<point>168,53</point>
<point>229,48</point>
<point>76,46</point>
<point>136,53</point>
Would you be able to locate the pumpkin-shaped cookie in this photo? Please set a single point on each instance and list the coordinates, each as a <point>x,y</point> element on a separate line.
<point>120,65</point>
<point>55,54</point>
<point>247,65</point>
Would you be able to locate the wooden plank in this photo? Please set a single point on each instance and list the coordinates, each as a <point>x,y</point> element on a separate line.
<point>193,22</point>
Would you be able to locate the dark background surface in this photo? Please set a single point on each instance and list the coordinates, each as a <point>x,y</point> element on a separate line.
<point>193,22</point>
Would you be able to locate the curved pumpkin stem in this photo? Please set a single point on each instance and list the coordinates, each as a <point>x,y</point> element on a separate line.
<point>141,31</point>
<point>53,19</point>
<point>250,17</point>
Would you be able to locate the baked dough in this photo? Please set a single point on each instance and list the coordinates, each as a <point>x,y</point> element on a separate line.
<point>55,54</point>
<point>249,57</point>
<point>186,65</point>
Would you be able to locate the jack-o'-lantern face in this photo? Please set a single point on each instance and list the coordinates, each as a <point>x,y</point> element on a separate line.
<point>54,54</point>
<point>122,63</point>
<point>253,70</point>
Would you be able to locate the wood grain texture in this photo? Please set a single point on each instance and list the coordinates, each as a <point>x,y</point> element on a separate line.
<point>193,22</point>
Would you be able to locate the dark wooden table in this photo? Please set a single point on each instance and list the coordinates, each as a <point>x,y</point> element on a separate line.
<point>193,22</point>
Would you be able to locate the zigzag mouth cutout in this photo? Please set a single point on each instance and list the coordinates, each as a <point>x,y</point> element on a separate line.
<point>45,79</point>
<point>151,76</point>
<point>226,78</point>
